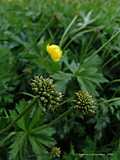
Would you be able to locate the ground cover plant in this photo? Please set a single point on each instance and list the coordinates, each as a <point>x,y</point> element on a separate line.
<point>59,80</point>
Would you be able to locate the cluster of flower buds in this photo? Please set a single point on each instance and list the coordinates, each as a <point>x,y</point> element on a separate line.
<point>85,103</point>
<point>44,88</point>
<point>55,152</point>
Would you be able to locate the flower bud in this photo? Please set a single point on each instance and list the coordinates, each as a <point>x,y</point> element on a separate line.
<point>44,88</point>
<point>84,102</point>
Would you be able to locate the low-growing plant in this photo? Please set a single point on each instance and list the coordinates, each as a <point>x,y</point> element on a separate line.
<point>59,80</point>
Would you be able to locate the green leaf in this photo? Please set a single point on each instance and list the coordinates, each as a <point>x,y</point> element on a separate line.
<point>16,149</point>
<point>37,148</point>
<point>61,80</point>
<point>28,132</point>
<point>89,74</point>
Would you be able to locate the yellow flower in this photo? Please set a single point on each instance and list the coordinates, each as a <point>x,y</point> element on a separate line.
<point>54,51</point>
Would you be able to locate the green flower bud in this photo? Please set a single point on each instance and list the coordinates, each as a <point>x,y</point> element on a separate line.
<point>55,152</point>
<point>84,102</point>
<point>47,93</point>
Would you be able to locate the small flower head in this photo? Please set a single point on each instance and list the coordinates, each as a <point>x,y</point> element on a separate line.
<point>55,52</point>
<point>84,102</point>
<point>55,152</point>
<point>44,88</point>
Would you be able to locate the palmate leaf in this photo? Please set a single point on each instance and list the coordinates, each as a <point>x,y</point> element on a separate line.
<point>44,136</point>
<point>61,80</point>
<point>16,149</point>
<point>39,139</point>
<point>30,139</point>
<point>38,149</point>
<point>38,142</point>
<point>89,74</point>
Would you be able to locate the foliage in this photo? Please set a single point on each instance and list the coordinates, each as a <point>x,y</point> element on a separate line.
<point>28,135</point>
<point>40,121</point>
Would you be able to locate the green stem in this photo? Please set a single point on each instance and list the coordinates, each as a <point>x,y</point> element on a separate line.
<point>27,94</point>
<point>106,43</point>
<point>66,31</point>
<point>78,35</point>
<point>111,100</point>
<point>95,154</point>
<point>2,142</point>
<point>19,116</point>
<point>115,81</point>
